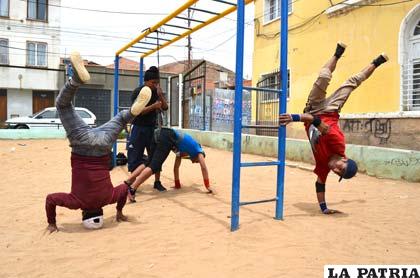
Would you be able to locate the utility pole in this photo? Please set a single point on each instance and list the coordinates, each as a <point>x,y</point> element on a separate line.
<point>189,64</point>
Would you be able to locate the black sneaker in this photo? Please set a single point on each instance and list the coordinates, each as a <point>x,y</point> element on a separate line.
<point>131,193</point>
<point>158,186</point>
<point>380,60</point>
<point>340,50</point>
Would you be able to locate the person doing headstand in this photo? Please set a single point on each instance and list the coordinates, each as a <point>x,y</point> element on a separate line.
<point>91,187</point>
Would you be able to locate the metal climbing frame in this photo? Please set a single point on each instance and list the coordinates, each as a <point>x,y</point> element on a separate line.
<point>237,133</point>
<point>156,38</point>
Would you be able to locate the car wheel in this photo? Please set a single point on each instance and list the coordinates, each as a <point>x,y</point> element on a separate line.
<point>22,127</point>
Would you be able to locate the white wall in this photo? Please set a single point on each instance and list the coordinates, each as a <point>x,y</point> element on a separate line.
<point>16,78</point>
<point>19,102</point>
<point>18,30</point>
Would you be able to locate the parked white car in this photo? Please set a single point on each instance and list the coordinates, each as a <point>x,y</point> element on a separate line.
<point>48,118</point>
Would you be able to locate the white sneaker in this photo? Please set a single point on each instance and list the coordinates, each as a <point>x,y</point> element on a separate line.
<point>141,101</point>
<point>80,74</point>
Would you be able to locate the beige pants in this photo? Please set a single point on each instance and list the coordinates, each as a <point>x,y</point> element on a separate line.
<point>318,103</point>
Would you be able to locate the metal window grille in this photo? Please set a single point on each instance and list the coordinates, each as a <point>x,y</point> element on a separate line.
<point>273,9</point>
<point>267,109</point>
<point>411,87</point>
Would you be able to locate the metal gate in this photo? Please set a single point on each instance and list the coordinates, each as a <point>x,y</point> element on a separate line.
<point>96,100</point>
<point>267,108</point>
<point>196,104</point>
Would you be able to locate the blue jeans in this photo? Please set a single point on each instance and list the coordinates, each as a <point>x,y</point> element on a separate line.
<point>85,140</point>
<point>140,139</point>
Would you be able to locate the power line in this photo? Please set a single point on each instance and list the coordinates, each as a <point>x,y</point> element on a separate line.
<point>92,10</point>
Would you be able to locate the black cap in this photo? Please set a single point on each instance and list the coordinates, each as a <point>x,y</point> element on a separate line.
<point>350,170</point>
<point>86,214</point>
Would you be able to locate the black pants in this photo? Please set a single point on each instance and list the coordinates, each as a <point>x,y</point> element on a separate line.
<point>161,146</point>
<point>140,139</point>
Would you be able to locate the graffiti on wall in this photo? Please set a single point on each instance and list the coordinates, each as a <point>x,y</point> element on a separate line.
<point>379,128</point>
<point>400,162</point>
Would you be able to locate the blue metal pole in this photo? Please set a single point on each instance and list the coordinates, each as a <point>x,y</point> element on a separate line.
<point>236,173</point>
<point>116,92</point>
<point>282,108</point>
<point>141,72</point>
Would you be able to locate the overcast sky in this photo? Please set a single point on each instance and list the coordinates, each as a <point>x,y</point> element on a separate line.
<point>98,35</point>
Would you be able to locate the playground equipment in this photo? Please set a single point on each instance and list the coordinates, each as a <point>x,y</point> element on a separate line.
<point>156,39</point>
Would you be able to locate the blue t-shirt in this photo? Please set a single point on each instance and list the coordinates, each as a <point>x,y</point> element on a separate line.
<point>188,145</point>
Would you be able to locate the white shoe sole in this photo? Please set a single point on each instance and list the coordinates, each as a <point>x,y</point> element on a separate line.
<point>79,67</point>
<point>343,45</point>
<point>385,56</point>
<point>141,101</point>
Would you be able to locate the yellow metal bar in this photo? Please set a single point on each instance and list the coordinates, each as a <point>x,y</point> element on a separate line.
<point>196,28</point>
<point>188,4</point>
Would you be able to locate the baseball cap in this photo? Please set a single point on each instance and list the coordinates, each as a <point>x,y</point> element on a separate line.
<point>93,219</point>
<point>350,170</point>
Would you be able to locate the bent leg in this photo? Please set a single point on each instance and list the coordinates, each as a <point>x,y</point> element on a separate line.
<point>137,145</point>
<point>316,97</point>
<point>71,121</point>
<point>337,100</point>
<point>111,129</point>
<point>59,199</point>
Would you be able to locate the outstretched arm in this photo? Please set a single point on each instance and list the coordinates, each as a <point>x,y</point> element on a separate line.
<point>204,172</point>
<point>285,119</point>
<point>320,195</point>
<point>58,199</point>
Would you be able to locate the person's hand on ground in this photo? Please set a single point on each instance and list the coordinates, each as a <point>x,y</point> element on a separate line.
<point>211,190</point>
<point>121,217</point>
<point>51,228</point>
<point>331,211</point>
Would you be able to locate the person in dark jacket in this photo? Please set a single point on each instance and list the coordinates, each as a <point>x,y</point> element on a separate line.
<point>91,187</point>
<point>144,124</point>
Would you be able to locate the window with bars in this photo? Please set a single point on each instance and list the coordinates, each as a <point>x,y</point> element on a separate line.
<point>38,9</point>
<point>272,81</point>
<point>411,74</point>
<point>4,8</point>
<point>36,54</point>
<point>272,9</point>
<point>4,51</point>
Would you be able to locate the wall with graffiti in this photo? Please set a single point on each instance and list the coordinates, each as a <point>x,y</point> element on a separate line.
<point>224,107</point>
<point>402,133</point>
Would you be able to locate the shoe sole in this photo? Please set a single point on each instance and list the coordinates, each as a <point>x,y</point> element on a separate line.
<point>385,56</point>
<point>343,45</point>
<point>79,67</point>
<point>141,101</point>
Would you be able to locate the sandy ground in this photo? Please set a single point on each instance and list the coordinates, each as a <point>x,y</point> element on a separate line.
<point>186,233</point>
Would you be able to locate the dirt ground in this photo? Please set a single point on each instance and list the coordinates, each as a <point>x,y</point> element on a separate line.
<point>186,233</point>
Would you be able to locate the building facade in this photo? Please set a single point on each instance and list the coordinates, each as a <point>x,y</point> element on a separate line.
<point>384,110</point>
<point>29,56</point>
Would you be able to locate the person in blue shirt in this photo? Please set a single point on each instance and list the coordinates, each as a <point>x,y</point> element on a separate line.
<point>164,141</point>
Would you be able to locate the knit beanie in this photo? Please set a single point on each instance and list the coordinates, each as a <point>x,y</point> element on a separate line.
<point>151,74</point>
